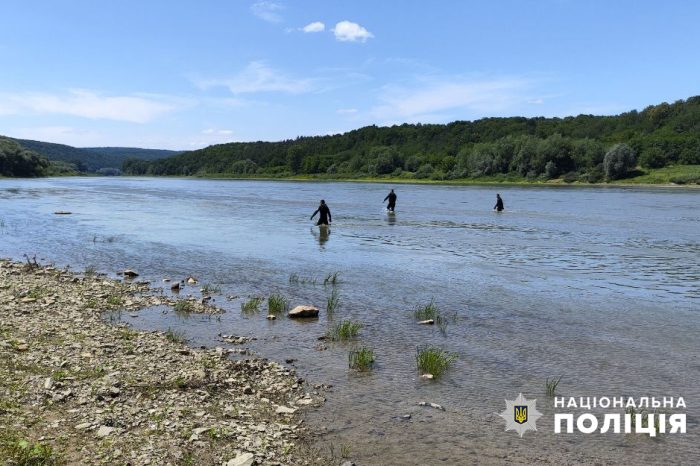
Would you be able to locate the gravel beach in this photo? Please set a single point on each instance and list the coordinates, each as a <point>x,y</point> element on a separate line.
<point>76,389</point>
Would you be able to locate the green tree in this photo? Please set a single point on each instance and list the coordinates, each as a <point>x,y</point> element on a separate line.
<point>618,161</point>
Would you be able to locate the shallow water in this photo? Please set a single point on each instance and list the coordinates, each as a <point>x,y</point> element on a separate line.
<point>599,285</point>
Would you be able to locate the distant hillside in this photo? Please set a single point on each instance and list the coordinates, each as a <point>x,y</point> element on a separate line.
<point>92,159</point>
<point>583,148</point>
<point>133,152</point>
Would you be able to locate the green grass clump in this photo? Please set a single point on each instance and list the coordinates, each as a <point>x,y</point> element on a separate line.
<point>183,306</point>
<point>208,289</point>
<point>551,385</point>
<point>332,302</point>
<point>277,304</point>
<point>24,453</point>
<point>431,312</point>
<point>345,330</point>
<point>361,359</point>
<point>427,312</point>
<point>433,360</point>
<point>252,305</point>
<point>90,271</point>
<point>176,336</point>
<point>115,300</point>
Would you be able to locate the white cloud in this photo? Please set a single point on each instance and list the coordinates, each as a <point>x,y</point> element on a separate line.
<point>316,26</point>
<point>259,77</point>
<point>346,111</point>
<point>431,99</point>
<point>220,132</point>
<point>89,104</point>
<point>536,101</point>
<point>347,31</point>
<point>267,11</point>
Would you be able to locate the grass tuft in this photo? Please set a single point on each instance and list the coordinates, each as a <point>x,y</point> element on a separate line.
<point>429,311</point>
<point>176,336</point>
<point>208,289</point>
<point>332,302</point>
<point>361,359</point>
<point>277,304</point>
<point>551,386</point>
<point>345,330</point>
<point>183,306</point>
<point>252,305</point>
<point>331,279</point>
<point>433,360</point>
<point>296,279</point>
<point>24,453</point>
<point>115,300</point>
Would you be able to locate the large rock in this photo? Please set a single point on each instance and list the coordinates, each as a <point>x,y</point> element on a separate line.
<point>244,459</point>
<point>303,311</point>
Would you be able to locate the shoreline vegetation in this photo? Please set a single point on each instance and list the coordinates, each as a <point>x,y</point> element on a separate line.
<point>655,178</point>
<point>78,389</point>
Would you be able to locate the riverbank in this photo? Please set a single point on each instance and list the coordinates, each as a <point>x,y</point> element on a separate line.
<point>678,176</point>
<point>76,389</point>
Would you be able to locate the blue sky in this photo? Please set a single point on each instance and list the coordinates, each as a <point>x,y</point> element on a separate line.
<point>181,74</point>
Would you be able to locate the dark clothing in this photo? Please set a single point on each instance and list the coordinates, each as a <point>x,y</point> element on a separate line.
<point>325,215</point>
<point>392,201</point>
<point>499,205</point>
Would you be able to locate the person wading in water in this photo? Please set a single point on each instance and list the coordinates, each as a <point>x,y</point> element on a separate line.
<point>392,201</point>
<point>325,214</point>
<point>499,204</point>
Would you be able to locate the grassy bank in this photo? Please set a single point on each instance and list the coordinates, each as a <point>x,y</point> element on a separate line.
<point>678,175</point>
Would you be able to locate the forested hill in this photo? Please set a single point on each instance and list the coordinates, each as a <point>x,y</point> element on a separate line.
<point>574,148</point>
<point>16,160</point>
<point>92,159</point>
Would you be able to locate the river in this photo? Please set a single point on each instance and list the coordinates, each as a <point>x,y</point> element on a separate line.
<point>600,286</point>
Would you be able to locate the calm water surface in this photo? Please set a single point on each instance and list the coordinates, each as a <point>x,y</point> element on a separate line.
<point>600,286</point>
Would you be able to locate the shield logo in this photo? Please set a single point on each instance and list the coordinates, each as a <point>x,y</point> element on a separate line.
<point>520,414</point>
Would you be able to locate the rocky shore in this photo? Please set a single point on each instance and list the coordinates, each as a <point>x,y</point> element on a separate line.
<point>75,389</point>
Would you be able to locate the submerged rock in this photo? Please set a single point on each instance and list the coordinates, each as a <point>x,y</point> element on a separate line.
<point>427,322</point>
<point>130,273</point>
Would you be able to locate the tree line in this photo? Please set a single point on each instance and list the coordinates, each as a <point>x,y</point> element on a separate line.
<point>582,148</point>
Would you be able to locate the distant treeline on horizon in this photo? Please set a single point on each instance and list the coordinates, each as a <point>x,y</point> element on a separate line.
<point>584,148</point>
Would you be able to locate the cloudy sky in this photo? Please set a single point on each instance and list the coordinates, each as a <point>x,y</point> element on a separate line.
<point>185,74</point>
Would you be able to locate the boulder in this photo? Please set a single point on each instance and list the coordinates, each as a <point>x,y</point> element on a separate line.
<point>175,286</point>
<point>130,273</point>
<point>285,410</point>
<point>244,459</point>
<point>104,431</point>
<point>303,311</point>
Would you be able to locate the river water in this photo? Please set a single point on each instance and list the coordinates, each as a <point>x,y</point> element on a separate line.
<point>598,285</point>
